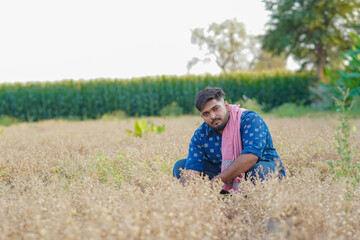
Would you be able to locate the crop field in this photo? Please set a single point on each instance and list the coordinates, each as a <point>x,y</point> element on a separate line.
<point>90,180</point>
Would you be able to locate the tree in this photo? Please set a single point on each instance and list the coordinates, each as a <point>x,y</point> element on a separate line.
<point>228,43</point>
<point>315,32</point>
<point>266,61</point>
<point>347,79</point>
<point>195,61</point>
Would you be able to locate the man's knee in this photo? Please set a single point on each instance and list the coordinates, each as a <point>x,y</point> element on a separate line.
<point>263,170</point>
<point>177,168</point>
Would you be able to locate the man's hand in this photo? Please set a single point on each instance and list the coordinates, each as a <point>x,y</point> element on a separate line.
<point>215,181</point>
<point>240,165</point>
<point>188,175</point>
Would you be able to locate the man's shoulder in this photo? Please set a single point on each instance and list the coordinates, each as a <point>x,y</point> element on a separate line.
<point>203,128</point>
<point>250,116</point>
<point>200,133</point>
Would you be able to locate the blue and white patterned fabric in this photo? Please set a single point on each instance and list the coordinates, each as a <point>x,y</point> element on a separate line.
<point>205,145</point>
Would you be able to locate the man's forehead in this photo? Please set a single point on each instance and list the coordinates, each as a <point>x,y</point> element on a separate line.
<point>212,103</point>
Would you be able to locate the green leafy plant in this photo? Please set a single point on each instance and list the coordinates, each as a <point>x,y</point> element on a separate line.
<point>345,166</point>
<point>158,129</point>
<point>107,170</point>
<point>142,127</point>
<point>68,172</point>
<point>3,172</point>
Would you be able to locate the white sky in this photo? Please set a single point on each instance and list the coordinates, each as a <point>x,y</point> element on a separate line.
<point>48,40</point>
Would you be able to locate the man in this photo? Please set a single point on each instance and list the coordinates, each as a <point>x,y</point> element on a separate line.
<point>228,128</point>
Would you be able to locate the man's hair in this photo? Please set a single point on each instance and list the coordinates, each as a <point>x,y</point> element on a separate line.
<point>208,94</point>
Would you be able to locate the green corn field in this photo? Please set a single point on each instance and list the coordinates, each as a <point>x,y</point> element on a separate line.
<point>145,96</point>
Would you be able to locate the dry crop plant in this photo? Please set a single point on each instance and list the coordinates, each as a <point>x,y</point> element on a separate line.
<point>90,180</point>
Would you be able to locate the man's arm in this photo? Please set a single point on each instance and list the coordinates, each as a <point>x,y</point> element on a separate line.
<point>253,141</point>
<point>195,159</point>
<point>240,165</point>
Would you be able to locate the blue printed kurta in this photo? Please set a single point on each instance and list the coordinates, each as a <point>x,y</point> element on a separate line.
<point>205,145</point>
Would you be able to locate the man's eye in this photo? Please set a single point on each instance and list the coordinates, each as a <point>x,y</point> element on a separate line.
<point>205,114</point>
<point>216,108</point>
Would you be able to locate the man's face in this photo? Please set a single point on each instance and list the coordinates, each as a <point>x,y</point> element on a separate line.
<point>216,114</point>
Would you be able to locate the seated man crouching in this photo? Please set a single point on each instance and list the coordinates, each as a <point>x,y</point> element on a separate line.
<point>231,142</point>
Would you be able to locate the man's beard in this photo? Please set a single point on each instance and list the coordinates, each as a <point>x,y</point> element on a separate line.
<point>222,125</point>
<point>219,127</point>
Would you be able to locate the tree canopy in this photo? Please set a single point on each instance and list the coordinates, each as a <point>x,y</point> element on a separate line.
<point>228,43</point>
<point>315,32</point>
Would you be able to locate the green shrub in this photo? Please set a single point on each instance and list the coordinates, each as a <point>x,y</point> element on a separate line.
<point>171,110</point>
<point>70,118</point>
<point>115,115</point>
<point>347,78</point>
<point>291,110</point>
<point>8,120</point>
<point>250,104</point>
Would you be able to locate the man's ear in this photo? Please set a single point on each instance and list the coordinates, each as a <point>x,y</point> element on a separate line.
<point>227,105</point>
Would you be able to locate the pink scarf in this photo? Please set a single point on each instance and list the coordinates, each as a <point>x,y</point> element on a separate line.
<point>231,145</point>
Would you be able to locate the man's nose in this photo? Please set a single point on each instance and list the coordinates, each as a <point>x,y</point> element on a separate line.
<point>212,115</point>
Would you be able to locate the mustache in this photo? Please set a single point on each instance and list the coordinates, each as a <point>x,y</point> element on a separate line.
<point>212,122</point>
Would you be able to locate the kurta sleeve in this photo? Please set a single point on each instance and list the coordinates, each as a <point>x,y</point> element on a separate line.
<point>253,134</point>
